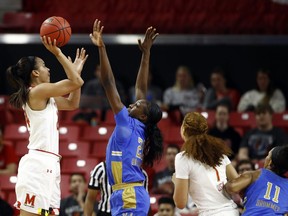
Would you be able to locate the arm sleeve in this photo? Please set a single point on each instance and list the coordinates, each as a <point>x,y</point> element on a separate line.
<point>181,166</point>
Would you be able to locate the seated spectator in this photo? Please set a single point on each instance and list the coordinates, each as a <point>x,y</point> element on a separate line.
<point>219,93</point>
<point>166,207</point>
<point>162,183</point>
<point>244,166</point>
<point>257,142</point>
<point>223,130</point>
<point>154,93</point>
<point>8,158</point>
<point>265,93</point>
<point>74,204</point>
<point>185,95</point>
<point>93,96</point>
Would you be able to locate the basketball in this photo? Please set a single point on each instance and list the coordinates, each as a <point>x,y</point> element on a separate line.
<point>57,28</point>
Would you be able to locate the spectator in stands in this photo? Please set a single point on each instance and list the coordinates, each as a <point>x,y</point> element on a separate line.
<point>166,207</point>
<point>74,204</point>
<point>5,208</point>
<point>8,158</point>
<point>219,93</point>
<point>93,97</point>
<point>154,93</point>
<point>257,142</point>
<point>162,182</point>
<point>244,166</point>
<point>264,93</point>
<point>223,130</point>
<point>185,95</point>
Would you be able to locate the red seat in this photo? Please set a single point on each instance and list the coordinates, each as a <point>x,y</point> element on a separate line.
<point>7,184</point>
<point>69,133</point>
<point>246,120</point>
<point>65,185</point>
<point>18,116</point>
<point>281,120</point>
<point>17,22</point>
<point>78,149</point>
<point>109,118</point>
<point>165,122</point>
<point>99,150</point>
<point>16,132</point>
<point>78,165</point>
<point>97,133</point>
<point>21,148</point>
<point>172,135</point>
<point>210,117</point>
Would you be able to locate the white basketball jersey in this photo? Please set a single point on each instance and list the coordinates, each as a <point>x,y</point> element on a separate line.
<point>43,127</point>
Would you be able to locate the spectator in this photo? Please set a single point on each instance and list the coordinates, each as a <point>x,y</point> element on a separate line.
<point>154,93</point>
<point>185,95</point>
<point>257,142</point>
<point>219,93</point>
<point>223,130</point>
<point>244,166</point>
<point>166,207</point>
<point>163,180</point>
<point>74,204</point>
<point>265,93</point>
<point>93,97</point>
<point>8,158</point>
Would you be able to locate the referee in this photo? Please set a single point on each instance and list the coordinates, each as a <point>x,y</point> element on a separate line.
<point>99,183</point>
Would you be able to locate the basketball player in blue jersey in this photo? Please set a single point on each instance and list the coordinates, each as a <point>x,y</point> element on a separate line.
<point>136,139</point>
<point>265,190</point>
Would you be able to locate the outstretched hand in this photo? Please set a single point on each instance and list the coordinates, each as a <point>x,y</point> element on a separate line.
<point>150,36</point>
<point>80,59</point>
<point>96,35</point>
<point>51,46</point>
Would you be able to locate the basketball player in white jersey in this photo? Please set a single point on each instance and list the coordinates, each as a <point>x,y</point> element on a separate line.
<point>38,183</point>
<point>202,169</point>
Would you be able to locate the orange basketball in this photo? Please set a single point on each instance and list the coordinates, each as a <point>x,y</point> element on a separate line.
<point>57,28</point>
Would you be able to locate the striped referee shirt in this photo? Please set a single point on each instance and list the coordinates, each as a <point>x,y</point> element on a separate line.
<point>99,181</point>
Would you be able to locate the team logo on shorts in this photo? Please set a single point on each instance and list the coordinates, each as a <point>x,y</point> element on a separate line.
<point>30,200</point>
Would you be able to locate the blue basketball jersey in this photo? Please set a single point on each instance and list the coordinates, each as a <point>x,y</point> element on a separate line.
<point>124,151</point>
<point>268,195</point>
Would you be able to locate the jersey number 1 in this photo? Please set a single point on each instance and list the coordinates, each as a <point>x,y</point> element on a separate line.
<point>268,192</point>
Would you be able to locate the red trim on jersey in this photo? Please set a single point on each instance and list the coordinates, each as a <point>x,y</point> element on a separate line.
<point>48,152</point>
<point>217,174</point>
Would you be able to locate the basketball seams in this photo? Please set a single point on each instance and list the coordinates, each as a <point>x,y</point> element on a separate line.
<point>56,28</point>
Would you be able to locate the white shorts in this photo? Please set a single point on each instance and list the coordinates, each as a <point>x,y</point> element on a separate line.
<point>38,183</point>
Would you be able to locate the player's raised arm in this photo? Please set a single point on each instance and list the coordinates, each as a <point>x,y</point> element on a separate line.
<point>142,77</point>
<point>107,77</point>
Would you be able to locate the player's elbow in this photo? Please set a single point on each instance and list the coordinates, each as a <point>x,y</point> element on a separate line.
<point>179,202</point>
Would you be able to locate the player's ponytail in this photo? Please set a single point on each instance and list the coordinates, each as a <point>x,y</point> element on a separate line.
<point>19,77</point>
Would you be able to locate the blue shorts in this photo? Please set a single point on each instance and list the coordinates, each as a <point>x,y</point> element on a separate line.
<point>131,201</point>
